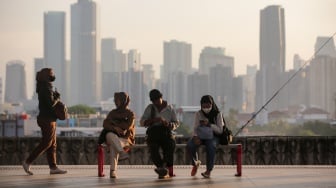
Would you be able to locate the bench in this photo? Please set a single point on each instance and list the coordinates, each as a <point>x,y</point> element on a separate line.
<point>237,147</point>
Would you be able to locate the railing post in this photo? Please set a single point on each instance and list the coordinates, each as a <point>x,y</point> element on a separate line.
<point>239,160</point>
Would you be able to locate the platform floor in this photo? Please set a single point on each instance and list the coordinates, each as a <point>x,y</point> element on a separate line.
<point>145,177</point>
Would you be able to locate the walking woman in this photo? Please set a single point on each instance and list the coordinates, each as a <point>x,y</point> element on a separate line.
<point>208,120</point>
<point>46,120</point>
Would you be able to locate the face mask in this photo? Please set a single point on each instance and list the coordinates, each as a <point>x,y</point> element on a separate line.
<point>206,110</point>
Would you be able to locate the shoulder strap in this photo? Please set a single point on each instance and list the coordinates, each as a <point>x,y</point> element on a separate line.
<point>224,121</point>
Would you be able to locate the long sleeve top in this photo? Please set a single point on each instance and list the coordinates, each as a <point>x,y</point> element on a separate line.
<point>167,113</point>
<point>217,128</point>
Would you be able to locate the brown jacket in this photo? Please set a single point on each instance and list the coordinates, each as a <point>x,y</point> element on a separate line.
<point>123,118</point>
<point>46,95</point>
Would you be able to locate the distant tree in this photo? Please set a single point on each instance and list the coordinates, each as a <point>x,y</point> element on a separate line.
<point>319,128</point>
<point>183,130</point>
<point>81,109</point>
<point>232,120</point>
<point>312,128</point>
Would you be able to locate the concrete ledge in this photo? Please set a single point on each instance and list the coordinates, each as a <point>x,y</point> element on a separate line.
<point>268,150</point>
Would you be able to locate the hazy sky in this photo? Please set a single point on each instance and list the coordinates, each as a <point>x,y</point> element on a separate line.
<point>145,24</point>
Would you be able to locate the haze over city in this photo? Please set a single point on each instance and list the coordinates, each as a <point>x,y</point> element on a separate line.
<point>145,24</point>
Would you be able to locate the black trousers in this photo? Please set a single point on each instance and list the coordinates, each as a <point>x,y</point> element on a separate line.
<point>167,145</point>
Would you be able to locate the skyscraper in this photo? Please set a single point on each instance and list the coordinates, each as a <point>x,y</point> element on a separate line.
<point>176,58</point>
<point>272,48</point>
<point>176,68</point>
<point>16,89</point>
<point>85,85</point>
<point>148,79</point>
<point>113,63</point>
<point>38,65</point>
<point>198,85</point>
<point>324,46</point>
<point>221,86</point>
<point>134,60</point>
<point>133,84</point>
<point>211,56</point>
<point>322,76</point>
<point>54,48</point>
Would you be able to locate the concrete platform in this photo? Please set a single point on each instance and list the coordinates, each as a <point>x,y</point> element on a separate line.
<point>144,176</point>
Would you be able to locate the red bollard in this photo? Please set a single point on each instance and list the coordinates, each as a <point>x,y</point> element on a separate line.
<point>101,161</point>
<point>239,160</point>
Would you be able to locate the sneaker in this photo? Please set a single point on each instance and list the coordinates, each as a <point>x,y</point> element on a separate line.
<point>206,174</point>
<point>123,156</point>
<point>194,169</point>
<point>57,171</point>
<point>26,168</point>
<point>113,174</point>
<point>162,172</point>
<point>164,177</point>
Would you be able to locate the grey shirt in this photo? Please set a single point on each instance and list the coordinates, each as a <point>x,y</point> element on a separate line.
<point>168,113</point>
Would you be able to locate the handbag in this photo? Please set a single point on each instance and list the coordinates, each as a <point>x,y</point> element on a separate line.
<point>61,111</point>
<point>226,137</point>
<point>204,132</point>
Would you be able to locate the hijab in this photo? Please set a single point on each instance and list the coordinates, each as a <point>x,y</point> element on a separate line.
<point>212,115</point>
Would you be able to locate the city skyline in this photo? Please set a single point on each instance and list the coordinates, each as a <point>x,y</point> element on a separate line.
<point>214,23</point>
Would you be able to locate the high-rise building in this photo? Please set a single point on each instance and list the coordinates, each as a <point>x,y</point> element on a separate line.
<point>113,63</point>
<point>325,46</point>
<point>249,89</point>
<point>108,47</point>
<point>133,84</point>
<point>211,56</point>
<point>322,76</point>
<point>297,62</point>
<point>221,86</point>
<point>149,80</point>
<point>237,93</point>
<point>176,58</point>
<point>198,85</point>
<point>149,75</point>
<point>54,49</point>
<point>16,87</point>
<point>85,69</point>
<point>177,65</point>
<point>38,65</point>
<point>272,56</point>
<point>134,60</point>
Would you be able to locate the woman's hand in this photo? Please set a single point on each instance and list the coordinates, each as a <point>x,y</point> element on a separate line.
<point>196,140</point>
<point>119,130</point>
<point>204,122</point>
